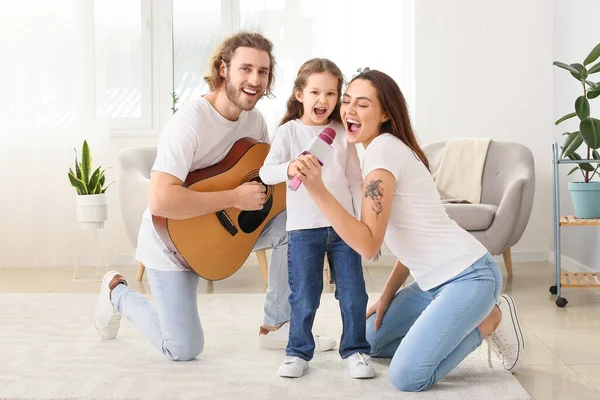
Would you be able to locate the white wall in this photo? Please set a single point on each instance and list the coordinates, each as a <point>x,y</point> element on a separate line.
<point>574,38</point>
<point>484,69</point>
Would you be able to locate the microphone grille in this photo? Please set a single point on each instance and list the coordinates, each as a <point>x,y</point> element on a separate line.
<point>328,135</point>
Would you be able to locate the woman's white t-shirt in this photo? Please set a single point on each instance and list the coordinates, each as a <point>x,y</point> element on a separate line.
<point>420,233</point>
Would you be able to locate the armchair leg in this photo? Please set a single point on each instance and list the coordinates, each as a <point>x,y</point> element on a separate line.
<point>261,255</point>
<point>508,261</point>
<point>141,269</point>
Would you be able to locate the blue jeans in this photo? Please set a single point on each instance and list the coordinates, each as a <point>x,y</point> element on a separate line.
<point>428,333</point>
<point>306,255</point>
<point>172,323</point>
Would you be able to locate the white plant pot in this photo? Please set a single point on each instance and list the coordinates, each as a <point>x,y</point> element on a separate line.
<point>92,210</point>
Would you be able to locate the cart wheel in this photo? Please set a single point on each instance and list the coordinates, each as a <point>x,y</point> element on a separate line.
<point>553,289</point>
<point>561,302</point>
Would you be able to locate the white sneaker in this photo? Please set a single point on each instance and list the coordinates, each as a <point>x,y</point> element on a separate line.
<point>106,319</point>
<point>292,367</point>
<point>507,340</point>
<point>279,339</point>
<point>359,365</point>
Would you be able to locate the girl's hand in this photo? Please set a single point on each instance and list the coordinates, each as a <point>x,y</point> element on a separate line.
<point>379,308</point>
<point>309,171</point>
<point>292,169</point>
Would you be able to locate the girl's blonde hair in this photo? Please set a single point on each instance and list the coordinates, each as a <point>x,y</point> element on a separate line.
<point>295,109</point>
<point>224,52</point>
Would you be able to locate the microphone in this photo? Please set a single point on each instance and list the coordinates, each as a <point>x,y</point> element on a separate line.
<point>320,147</point>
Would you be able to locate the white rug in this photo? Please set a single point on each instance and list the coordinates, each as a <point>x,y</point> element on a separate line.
<point>50,350</point>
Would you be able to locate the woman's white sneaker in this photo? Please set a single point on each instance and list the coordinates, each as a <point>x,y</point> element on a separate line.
<point>507,340</point>
<point>106,319</point>
<point>292,367</point>
<point>359,365</point>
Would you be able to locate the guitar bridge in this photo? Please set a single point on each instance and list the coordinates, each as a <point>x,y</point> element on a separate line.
<point>226,222</point>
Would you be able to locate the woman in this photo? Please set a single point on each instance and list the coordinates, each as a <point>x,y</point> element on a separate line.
<point>454,303</point>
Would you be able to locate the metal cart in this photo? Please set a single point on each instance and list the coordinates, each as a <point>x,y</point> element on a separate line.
<point>568,279</point>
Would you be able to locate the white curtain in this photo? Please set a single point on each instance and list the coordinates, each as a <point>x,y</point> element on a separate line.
<point>47,109</point>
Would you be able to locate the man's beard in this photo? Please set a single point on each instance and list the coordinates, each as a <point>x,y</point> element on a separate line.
<point>233,94</point>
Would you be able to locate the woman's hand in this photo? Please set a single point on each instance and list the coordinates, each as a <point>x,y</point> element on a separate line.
<point>309,171</point>
<point>379,308</point>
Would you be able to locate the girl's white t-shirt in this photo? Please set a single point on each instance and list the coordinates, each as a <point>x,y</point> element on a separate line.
<point>341,173</point>
<point>420,233</point>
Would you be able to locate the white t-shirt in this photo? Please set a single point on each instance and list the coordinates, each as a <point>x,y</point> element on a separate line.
<point>196,137</point>
<point>341,173</point>
<point>420,233</point>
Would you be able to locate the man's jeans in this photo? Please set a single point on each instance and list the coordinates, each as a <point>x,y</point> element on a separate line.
<point>306,255</point>
<point>172,323</point>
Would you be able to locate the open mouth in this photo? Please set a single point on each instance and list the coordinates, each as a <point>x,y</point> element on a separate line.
<point>353,125</point>
<point>320,111</point>
<point>250,92</point>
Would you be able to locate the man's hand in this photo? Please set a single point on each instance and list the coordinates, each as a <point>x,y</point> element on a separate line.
<point>379,308</point>
<point>250,196</point>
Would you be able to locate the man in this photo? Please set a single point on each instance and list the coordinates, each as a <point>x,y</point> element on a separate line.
<point>199,135</point>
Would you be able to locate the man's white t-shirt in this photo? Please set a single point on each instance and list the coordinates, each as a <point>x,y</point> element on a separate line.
<point>420,233</point>
<point>196,137</point>
<point>341,173</point>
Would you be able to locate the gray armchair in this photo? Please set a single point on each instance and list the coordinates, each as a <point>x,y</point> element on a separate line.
<point>508,185</point>
<point>134,180</point>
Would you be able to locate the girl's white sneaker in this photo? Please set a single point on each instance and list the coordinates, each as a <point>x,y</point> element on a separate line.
<point>292,367</point>
<point>359,365</point>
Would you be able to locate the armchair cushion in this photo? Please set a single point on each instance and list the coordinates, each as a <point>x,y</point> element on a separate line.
<point>472,217</point>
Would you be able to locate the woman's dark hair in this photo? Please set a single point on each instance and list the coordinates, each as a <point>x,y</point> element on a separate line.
<point>394,105</point>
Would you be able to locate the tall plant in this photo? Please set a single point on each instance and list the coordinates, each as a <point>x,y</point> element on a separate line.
<point>83,180</point>
<point>589,128</point>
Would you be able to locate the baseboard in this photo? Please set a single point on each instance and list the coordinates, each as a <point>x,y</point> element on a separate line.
<point>569,264</point>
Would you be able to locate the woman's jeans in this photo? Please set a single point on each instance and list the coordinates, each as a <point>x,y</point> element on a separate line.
<point>428,333</point>
<point>306,256</point>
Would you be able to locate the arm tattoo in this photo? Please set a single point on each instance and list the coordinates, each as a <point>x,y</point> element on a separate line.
<point>375,192</point>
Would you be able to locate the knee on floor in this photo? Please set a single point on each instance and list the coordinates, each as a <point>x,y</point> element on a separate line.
<point>406,380</point>
<point>184,351</point>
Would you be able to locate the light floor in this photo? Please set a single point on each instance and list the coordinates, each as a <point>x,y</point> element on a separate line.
<point>562,345</point>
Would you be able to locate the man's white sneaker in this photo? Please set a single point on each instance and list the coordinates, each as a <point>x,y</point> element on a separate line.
<point>507,340</point>
<point>106,319</point>
<point>292,367</point>
<point>359,365</point>
<point>279,339</point>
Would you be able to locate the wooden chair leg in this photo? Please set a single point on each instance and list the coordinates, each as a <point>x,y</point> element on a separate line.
<point>508,261</point>
<point>261,255</point>
<point>140,273</point>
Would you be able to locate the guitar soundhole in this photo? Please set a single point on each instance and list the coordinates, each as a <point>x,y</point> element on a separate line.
<point>249,221</point>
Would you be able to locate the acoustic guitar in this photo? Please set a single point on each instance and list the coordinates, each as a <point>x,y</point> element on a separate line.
<point>216,245</point>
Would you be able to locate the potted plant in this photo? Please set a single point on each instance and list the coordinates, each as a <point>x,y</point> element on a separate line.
<point>585,193</point>
<point>91,192</point>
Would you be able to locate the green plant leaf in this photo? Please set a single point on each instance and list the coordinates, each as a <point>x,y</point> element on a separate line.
<point>94,180</point>
<point>77,184</point>
<point>595,68</point>
<point>592,84</point>
<point>564,118</point>
<point>86,162</point>
<point>582,71</point>
<point>582,107</point>
<point>595,155</point>
<point>574,156</point>
<point>590,130</point>
<point>594,54</point>
<point>104,190</point>
<point>102,179</point>
<point>586,167</point>
<point>566,66</point>
<point>572,143</point>
<point>77,166</point>
<point>593,93</point>
<point>573,170</point>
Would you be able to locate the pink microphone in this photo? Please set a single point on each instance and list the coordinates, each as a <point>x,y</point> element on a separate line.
<point>320,147</point>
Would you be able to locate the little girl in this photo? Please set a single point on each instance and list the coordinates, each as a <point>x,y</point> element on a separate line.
<point>312,107</point>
